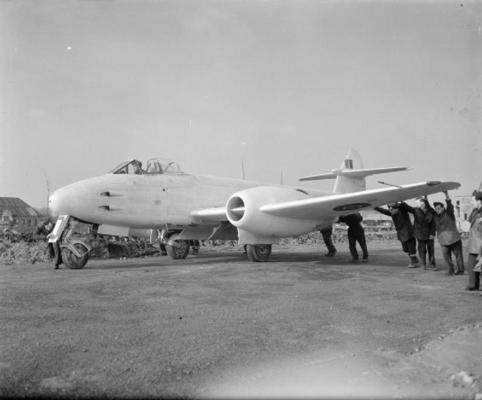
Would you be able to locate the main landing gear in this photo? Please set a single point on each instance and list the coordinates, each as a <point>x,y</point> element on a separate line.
<point>258,252</point>
<point>178,249</point>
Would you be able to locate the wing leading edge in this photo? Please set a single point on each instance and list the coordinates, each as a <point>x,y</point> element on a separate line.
<point>319,207</point>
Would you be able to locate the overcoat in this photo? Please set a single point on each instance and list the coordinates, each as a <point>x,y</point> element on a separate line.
<point>401,220</point>
<point>446,226</point>
<point>474,245</point>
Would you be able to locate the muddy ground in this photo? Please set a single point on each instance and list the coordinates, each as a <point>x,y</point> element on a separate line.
<point>217,325</point>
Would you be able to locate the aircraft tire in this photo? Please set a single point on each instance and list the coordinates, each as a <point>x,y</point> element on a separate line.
<point>71,260</point>
<point>179,250</point>
<point>258,252</point>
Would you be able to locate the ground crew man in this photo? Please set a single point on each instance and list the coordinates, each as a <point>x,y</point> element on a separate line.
<point>448,235</point>
<point>404,227</point>
<point>356,233</point>
<point>43,229</point>
<point>327,238</point>
<point>474,246</point>
<point>42,232</point>
<point>424,232</point>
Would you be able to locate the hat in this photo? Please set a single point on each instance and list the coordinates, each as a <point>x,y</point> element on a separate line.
<point>477,194</point>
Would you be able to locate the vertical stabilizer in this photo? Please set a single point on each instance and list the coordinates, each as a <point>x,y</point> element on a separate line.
<point>350,177</point>
<point>346,183</point>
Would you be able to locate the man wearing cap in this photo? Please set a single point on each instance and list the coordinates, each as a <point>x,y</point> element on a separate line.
<point>448,235</point>
<point>424,232</point>
<point>474,246</point>
<point>404,227</point>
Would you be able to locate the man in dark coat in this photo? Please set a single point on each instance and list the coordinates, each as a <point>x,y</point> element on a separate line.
<point>448,235</point>
<point>404,227</point>
<point>356,233</point>
<point>424,232</point>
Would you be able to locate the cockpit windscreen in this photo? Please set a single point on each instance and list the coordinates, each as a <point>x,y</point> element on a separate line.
<point>153,166</point>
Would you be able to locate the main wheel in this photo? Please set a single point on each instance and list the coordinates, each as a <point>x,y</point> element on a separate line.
<point>178,250</point>
<point>71,260</point>
<point>258,252</point>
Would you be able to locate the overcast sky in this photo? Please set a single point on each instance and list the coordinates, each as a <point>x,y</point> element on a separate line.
<point>288,86</point>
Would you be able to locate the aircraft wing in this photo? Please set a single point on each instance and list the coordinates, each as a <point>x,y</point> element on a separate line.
<point>320,207</point>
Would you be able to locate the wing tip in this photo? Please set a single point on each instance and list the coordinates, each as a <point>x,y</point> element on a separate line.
<point>448,185</point>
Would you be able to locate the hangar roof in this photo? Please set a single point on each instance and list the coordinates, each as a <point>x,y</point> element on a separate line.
<point>17,207</point>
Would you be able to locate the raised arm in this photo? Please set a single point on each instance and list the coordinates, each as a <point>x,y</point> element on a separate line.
<point>450,206</point>
<point>383,211</point>
<point>405,206</point>
<point>429,207</point>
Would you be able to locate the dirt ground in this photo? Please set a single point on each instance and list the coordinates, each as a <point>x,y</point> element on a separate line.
<point>216,325</point>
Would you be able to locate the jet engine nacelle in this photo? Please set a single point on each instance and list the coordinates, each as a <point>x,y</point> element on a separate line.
<point>243,211</point>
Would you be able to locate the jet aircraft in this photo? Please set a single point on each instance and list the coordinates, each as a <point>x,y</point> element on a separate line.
<point>184,207</point>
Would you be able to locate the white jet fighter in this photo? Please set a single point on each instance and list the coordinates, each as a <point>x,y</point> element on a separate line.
<point>184,207</point>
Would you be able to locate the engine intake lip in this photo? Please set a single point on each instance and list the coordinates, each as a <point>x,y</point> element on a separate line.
<point>235,209</point>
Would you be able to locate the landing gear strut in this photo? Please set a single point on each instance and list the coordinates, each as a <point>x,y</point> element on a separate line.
<point>258,252</point>
<point>66,245</point>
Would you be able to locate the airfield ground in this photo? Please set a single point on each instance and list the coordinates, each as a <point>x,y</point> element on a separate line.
<point>217,325</point>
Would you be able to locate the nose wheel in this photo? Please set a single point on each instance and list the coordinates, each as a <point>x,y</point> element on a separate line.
<point>75,256</point>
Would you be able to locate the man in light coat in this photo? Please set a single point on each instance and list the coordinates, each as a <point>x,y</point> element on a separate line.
<point>474,246</point>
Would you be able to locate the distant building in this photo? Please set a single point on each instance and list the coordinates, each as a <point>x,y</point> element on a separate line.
<point>17,215</point>
<point>378,225</point>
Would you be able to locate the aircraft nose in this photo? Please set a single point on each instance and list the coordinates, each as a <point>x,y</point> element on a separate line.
<point>58,203</point>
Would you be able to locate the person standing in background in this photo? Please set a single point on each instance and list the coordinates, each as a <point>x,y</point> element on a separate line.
<point>474,247</point>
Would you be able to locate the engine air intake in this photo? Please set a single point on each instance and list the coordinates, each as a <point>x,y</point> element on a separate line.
<point>235,208</point>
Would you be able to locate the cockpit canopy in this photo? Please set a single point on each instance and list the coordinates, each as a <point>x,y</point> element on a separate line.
<point>153,166</point>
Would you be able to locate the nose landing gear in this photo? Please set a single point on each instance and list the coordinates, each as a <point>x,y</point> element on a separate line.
<point>76,255</point>
<point>67,248</point>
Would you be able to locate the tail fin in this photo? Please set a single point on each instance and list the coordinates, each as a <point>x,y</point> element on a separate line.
<point>350,177</point>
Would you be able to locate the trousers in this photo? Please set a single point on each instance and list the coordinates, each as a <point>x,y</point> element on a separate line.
<point>359,237</point>
<point>425,246</point>
<point>327,233</point>
<point>474,277</point>
<point>455,248</point>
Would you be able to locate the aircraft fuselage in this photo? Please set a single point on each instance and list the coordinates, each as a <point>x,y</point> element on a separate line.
<point>145,201</point>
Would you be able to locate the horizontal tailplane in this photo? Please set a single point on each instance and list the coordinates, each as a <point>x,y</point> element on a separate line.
<point>350,177</point>
<point>352,173</point>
